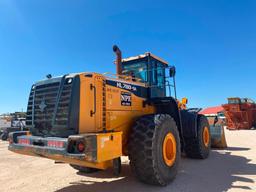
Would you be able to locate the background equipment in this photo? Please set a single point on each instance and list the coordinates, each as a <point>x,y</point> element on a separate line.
<point>240,113</point>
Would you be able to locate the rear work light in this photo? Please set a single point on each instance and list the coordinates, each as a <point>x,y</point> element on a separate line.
<point>80,147</point>
<point>55,144</point>
<point>23,141</point>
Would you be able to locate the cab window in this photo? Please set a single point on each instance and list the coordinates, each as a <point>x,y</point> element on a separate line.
<point>137,69</point>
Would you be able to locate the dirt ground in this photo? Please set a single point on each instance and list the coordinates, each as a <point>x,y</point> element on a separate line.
<point>233,169</point>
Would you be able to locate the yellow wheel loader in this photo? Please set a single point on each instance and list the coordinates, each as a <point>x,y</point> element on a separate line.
<point>90,120</point>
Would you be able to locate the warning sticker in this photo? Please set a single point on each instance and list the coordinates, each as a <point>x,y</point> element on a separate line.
<point>126,99</point>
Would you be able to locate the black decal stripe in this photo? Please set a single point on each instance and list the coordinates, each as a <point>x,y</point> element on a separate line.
<point>140,90</point>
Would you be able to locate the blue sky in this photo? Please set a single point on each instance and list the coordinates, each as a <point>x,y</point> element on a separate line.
<point>211,43</point>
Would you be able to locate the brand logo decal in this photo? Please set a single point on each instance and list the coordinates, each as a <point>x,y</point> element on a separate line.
<point>42,105</point>
<point>126,99</point>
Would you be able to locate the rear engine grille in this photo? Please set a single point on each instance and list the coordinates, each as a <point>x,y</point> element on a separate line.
<point>61,118</point>
<point>48,106</point>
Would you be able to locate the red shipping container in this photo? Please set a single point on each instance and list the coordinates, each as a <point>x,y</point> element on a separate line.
<point>240,113</point>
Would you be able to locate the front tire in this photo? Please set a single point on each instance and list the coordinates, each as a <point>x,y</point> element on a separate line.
<point>199,148</point>
<point>154,149</point>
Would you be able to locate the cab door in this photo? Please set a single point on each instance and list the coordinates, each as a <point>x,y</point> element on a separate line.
<point>157,79</point>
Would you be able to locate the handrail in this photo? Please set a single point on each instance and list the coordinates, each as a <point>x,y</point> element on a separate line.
<point>94,110</point>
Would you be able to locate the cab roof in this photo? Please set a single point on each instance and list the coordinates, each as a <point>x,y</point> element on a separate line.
<point>143,56</point>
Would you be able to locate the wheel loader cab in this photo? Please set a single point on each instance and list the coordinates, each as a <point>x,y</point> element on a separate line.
<point>148,69</point>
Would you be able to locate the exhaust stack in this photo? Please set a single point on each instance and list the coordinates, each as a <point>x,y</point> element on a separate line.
<point>118,59</point>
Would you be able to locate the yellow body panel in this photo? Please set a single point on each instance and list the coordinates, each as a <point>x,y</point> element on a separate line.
<point>110,114</point>
<point>86,121</point>
<point>109,146</point>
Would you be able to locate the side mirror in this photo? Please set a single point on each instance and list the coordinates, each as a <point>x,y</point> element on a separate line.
<point>184,101</point>
<point>215,120</point>
<point>172,71</point>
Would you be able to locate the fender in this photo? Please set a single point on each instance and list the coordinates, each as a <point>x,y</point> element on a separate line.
<point>189,119</point>
<point>168,105</point>
<point>186,120</point>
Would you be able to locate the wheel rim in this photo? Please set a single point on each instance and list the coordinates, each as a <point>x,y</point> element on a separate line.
<point>169,149</point>
<point>206,136</point>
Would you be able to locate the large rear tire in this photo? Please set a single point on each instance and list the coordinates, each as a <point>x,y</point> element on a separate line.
<point>154,149</point>
<point>199,148</point>
<point>84,169</point>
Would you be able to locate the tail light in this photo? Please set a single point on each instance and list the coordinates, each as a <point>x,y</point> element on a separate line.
<point>23,141</point>
<point>55,144</point>
<point>80,147</point>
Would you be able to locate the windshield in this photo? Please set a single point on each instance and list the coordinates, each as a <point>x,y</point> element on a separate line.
<point>137,69</point>
<point>233,101</point>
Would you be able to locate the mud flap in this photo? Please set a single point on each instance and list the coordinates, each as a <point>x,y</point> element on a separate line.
<point>218,138</point>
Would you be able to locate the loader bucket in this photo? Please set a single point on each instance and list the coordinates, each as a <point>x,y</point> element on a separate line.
<point>218,138</point>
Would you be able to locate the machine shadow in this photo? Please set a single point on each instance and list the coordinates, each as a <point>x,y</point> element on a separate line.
<point>238,149</point>
<point>217,173</point>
